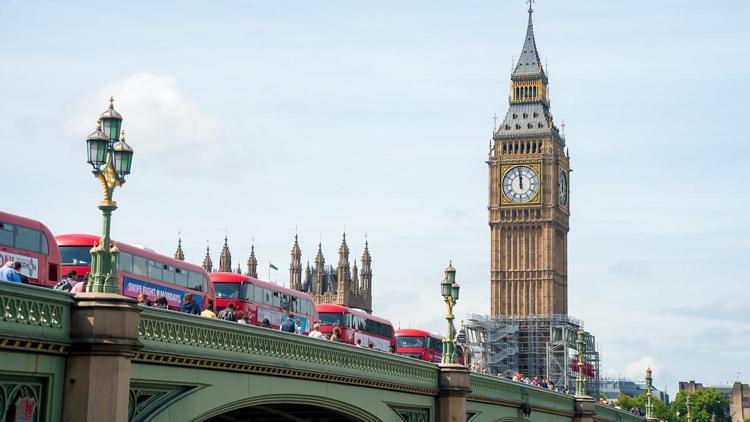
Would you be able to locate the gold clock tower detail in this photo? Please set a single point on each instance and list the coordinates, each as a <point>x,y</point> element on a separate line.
<point>529,199</point>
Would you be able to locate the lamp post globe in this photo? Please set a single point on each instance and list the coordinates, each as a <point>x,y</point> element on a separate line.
<point>122,157</point>
<point>454,291</point>
<point>111,122</point>
<point>98,147</point>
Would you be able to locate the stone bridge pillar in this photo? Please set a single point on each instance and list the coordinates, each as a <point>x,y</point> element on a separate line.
<point>104,333</point>
<point>454,387</point>
<point>585,409</point>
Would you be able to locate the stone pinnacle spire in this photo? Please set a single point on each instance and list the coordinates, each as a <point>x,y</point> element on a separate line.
<point>252,263</point>
<point>208,265</point>
<point>225,259</point>
<point>178,253</point>
<point>295,266</point>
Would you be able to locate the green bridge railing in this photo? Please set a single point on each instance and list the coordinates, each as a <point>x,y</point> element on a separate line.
<point>32,316</point>
<point>501,391</point>
<point>173,338</point>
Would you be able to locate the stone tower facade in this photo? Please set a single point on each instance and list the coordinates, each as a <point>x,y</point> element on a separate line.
<point>340,285</point>
<point>529,198</point>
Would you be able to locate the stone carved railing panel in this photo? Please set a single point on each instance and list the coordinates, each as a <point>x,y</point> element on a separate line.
<point>186,336</point>
<point>34,313</point>
<point>493,389</point>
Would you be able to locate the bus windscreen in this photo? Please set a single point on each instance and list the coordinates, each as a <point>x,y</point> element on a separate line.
<point>406,341</point>
<point>75,255</point>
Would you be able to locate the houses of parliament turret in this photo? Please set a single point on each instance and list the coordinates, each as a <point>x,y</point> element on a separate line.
<point>344,284</point>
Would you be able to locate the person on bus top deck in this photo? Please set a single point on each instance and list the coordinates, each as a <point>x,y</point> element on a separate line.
<point>209,311</point>
<point>297,327</point>
<point>189,305</point>
<point>288,324</point>
<point>161,303</point>
<point>9,272</point>
<point>143,300</point>
<point>336,336</point>
<point>241,318</point>
<point>80,285</point>
<point>228,313</point>
<point>266,323</point>
<point>315,333</point>
<point>67,282</point>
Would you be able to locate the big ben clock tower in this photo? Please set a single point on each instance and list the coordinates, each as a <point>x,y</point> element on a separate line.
<point>529,198</point>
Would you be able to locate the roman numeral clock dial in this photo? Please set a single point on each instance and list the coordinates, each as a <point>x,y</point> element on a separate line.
<point>520,184</point>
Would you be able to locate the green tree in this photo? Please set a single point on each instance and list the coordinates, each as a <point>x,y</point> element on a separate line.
<point>704,404</point>
<point>661,411</point>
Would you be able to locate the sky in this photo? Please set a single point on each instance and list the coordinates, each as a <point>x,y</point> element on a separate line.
<point>258,119</point>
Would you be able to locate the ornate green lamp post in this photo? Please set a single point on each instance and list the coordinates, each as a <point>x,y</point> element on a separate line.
<point>111,158</point>
<point>581,377</point>
<point>449,289</point>
<point>649,403</point>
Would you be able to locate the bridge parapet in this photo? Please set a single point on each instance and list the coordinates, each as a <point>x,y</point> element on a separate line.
<point>34,318</point>
<point>178,339</point>
<point>494,390</point>
<point>610,414</point>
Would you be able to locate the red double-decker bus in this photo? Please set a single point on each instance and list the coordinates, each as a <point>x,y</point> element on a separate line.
<point>260,300</point>
<point>31,243</point>
<point>356,324</point>
<point>141,270</point>
<point>419,344</point>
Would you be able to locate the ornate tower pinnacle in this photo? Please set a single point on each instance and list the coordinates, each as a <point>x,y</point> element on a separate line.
<point>320,263</point>
<point>252,263</point>
<point>528,197</point>
<point>308,286</point>
<point>178,254</point>
<point>225,259</point>
<point>208,265</point>
<point>343,273</point>
<point>295,267</point>
<point>366,275</point>
<point>356,287</point>
<point>239,269</point>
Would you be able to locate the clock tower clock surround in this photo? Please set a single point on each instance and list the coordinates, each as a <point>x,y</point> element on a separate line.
<point>529,198</point>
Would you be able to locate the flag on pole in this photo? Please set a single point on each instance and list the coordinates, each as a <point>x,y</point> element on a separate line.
<point>273,266</point>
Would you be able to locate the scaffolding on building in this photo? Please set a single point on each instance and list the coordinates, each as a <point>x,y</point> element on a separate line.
<point>535,346</point>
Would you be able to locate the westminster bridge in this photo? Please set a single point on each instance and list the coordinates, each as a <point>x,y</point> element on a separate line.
<point>100,357</point>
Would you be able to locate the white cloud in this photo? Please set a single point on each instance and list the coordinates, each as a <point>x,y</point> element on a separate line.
<point>637,369</point>
<point>160,120</point>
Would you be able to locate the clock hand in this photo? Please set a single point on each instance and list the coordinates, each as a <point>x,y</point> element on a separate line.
<point>520,180</point>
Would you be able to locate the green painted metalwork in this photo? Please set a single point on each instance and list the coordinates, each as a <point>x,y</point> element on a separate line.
<point>412,414</point>
<point>146,400</point>
<point>610,414</point>
<point>29,391</point>
<point>34,313</point>
<point>500,391</point>
<point>170,333</point>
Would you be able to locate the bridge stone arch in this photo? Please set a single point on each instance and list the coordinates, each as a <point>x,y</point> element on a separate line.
<point>347,410</point>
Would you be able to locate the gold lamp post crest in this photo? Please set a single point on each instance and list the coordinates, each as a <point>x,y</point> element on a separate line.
<point>111,158</point>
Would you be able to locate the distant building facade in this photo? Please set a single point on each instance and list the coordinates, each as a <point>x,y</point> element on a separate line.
<point>342,285</point>
<point>737,393</point>
<point>345,284</point>
<point>611,388</point>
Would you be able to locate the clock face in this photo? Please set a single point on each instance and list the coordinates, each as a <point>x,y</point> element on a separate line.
<point>563,188</point>
<point>520,184</point>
